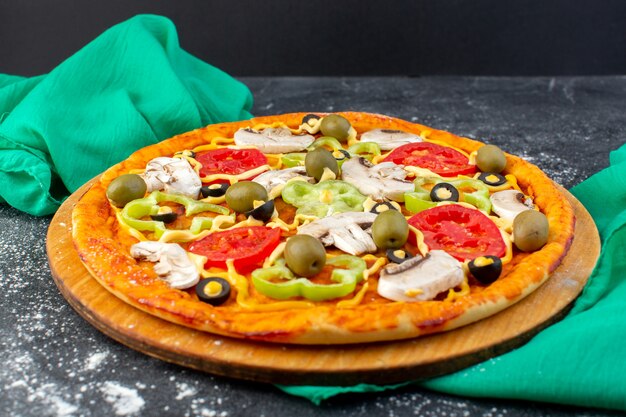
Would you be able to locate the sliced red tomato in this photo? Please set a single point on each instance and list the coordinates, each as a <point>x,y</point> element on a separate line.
<point>248,247</point>
<point>439,159</point>
<point>230,161</point>
<point>462,232</point>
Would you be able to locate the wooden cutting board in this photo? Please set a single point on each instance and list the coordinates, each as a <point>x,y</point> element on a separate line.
<point>379,363</point>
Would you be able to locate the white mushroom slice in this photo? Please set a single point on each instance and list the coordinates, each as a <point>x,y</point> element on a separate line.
<point>272,179</point>
<point>172,175</point>
<point>384,181</point>
<point>273,140</point>
<point>346,231</point>
<point>172,263</point>
<point>420,278</point>
<point>509,203</point>
<point>389,139</point>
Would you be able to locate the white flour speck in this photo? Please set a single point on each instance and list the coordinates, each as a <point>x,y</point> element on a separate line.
<point>125,401</point>
<point>95,360</point>
<point>184,390</point>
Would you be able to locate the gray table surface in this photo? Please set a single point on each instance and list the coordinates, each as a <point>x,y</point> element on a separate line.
<point>56,364</point>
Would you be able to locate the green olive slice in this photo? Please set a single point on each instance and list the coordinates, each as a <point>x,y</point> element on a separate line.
<point>335,126</point>
<point>490,158</point>
<point>318,159</point>
<point>530,230</point>
<point>126,188</point>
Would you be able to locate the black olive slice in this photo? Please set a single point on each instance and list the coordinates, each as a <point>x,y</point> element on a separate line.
<point>486,269</point>
<point>165,215</point>
<point>186,152</point>
<point>213,290</point>
<point>214,190</point>
<point>341,154</point>
<point>264,212</point>
<point>492,178</point>
<point>308,117</point>
<point>397,256</point>
<point>380,207</point>
<point>444,192</point>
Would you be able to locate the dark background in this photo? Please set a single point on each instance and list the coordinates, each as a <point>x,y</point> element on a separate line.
<point>341,37</point>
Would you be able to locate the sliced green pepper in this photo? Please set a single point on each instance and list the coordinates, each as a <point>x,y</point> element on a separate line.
<point>368,150</point>
<point>324,198</point>
<point>136,209</point>
<point>344,280</point>
<point>420,200</point>
<point>295,159</point>
<point>327,141</point>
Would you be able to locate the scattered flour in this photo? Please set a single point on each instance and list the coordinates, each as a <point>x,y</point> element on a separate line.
<point>125,401</point>
<point>94,361</point>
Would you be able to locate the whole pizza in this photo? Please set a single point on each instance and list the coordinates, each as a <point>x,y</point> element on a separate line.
<point>322,229</point>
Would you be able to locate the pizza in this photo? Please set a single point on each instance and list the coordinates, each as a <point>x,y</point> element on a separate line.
<point>322,229</point>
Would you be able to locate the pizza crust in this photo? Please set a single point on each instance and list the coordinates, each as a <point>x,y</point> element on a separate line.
<point>103,246</point>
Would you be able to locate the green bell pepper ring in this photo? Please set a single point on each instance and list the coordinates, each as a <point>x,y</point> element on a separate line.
<point>344,280</point>
<point>327,141</point>
<point>479,198</point>
<point>133,212</point>
<point>295,159</point>
<point>324,198</point>
<point>368,150</point>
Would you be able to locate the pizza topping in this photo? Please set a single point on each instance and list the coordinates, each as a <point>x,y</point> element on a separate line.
<point>214,190</point>
<point>241,196</point>
<point>172,175</point>
<point>305,255</point>
<point>389,139</point>
<point>172,263</point>
<point>397,256</point>
<point>442,160</point>
<point>336,126</point>
<point>492,178</point>
<point>378,208</point>
<point>385,181</point>
<point>247,247</point>
<point>420,278</point>
<point>470,191</point>
<point>530,230</point>
<point>348,272</point>
<point>322,199</point>
<point>228,164</point>
<point>368,150</point>
<point>444,192</point>
<point>126,188</point>
<point>273,140</point>
<point>490,158</point>
<point>486,269</point>
<point>214,290</point>
<point>164,214</point>
<point>278,178</point>
<point>311,119</point>
<point>318,160</point>
<point>346,231</point>
<point>390,230</point>
<point>462,232</point>
<point>134,211</point>
<point>263,211</point>
<point>509,203</point>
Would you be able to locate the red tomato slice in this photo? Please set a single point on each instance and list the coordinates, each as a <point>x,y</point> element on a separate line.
<point>439,159</point>
<point>462,232</point>
<point>230,161</point>
<point>248,247</point>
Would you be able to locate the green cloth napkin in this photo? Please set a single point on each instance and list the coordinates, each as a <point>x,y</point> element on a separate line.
<point>580,360</point>
<point>130,87</point>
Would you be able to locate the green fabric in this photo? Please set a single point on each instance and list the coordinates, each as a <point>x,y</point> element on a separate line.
<point>581,360</point>
<point>130,87</point>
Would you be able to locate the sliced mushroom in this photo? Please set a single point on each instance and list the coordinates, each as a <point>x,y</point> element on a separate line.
<point>389,139</point>
<point>509,203</point>
<point>346,231</point>
<point>172,263</point>
<point>385,181</point>
<point>420,278</point>
<point>172,175</point>
<point>273,140</point>
<point>273,179</point>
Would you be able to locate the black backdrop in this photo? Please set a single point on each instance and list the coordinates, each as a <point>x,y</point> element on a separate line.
<point>341,37</point>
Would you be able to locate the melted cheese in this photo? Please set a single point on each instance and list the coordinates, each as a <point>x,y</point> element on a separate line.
<point>419,236</point>
<point>238,177</point>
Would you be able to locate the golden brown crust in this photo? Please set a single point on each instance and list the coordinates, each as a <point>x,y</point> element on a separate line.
<point>103,247</point>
